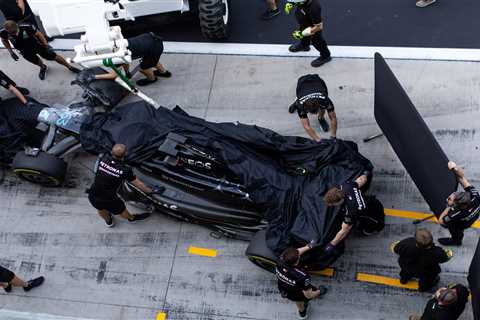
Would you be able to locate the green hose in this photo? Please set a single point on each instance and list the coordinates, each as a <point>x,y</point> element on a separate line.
<point>109,64</point>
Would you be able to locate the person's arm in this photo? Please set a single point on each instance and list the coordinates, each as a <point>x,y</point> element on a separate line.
<point>41,38</point>
<point>362,180</point>
<point>342,234</point>
<point>442,216</point>
<point>311,294</point>
<point>21,5</point>
<point>333,123</point>
<point>140,185</point>
<point>460,174</point>
<point>314,29</point>
<point>18,94</point>
<point>111,75</point>
<point>7,45</point>
<point>310,131</point>
<point>304,249</point>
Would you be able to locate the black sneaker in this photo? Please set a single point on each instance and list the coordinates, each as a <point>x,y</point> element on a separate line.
<point>34,283</point>
<point>23,91</point>
<point>303,314</point>
<point>323,124</point>
<point>141,216</point>
<point>297,47</point>
<point>320,61</point>
<point>43,73</point>
<point>270,14</point>
<point>8,288</point>
<point>166,74</point>
<point>110,223</point>
<point>449,242</point>
<point>145,82</point>
<point>74,70</point>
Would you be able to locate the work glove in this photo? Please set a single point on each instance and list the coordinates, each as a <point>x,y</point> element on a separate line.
<point>14,56</point>
<point>157,190</point>
<point>289,7</point>
<point>330,249</point>
<point>297,35</point>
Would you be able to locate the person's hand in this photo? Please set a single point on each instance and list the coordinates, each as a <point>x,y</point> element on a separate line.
<point>333,138</point>
<point>14,56</point>
<point>297,35</point>
<point>449,253</point>
<point>312,243</point>
<point>451,165</point>
<point>289,7</point>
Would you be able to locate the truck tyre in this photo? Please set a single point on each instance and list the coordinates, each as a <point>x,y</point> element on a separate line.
<point>214,16</point>
<point>259,254</point>
<point>44,169</point>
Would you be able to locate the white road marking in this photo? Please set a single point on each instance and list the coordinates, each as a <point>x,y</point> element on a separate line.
<point>17,315</point>
<point>280,50</point>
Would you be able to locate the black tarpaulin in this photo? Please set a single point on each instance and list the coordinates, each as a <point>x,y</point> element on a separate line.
<point>474,283</point>
<point>17,127</point>
<point>411,139</point>
<point>261,158</point>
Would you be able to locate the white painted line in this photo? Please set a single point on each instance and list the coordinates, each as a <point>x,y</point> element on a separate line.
<point>16,315</point>
<point>281,50</point>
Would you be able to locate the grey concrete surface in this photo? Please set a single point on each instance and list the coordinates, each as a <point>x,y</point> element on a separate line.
<point>134,271</point>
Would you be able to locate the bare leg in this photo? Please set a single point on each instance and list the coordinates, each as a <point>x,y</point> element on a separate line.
<point>272,4</point>
<point>61,60</point>
<point>17,282</point>
<point>300,305</point>
<point>149,74</point>
<point>126,215</point>
<point>160,68</point>
<point>105,215</point>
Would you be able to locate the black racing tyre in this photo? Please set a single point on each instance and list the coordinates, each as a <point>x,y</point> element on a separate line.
<point>44,169</point>
<point>214,16</point>
<point>259,254</point>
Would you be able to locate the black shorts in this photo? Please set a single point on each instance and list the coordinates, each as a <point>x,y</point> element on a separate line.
<point>6,276</point>
<point>33,53</point>
<point>151,60</point>
<point>115,206</point>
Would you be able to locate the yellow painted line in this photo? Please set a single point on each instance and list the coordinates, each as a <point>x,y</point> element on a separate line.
<point>372,278</point>
<point>328,272</point>
<point>202,251</point>
<point>417,215</point>
<point>161,316</point>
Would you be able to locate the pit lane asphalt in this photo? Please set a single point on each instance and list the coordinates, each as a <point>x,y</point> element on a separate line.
<point>135,271</point>
<point>446,24</point>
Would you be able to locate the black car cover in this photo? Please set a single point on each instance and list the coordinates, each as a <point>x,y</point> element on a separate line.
<point>262,159</point>
<point>474,282</point>
<point>411,139</point>
<point>17,127</point>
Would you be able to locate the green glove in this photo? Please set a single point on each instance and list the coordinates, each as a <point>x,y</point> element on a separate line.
<point>289,7</point>
<point>297,35</point>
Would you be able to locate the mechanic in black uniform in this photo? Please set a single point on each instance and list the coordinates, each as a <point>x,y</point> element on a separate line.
<point>312,97</point>
<point>9,279</point>
<point>309,17</point>
<point>149,48</point>
<point>10,85</point>
<point>463,209</point>
<point>111,171</point>
<point>294,283</point>
<point>18,11</point>
<point>31,43</point>
<point>446,304</point>
<point>419,257</point>
<point>349,197</point>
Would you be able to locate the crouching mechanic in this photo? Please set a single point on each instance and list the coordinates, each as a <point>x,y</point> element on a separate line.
<point>149,48</point>
<point>463,209</point>
<point>350,199</point>
<point>11,86</point>
<point>111,171</point>
<point>294,283</point>
<point>419,257</point>
<point>312,97</point>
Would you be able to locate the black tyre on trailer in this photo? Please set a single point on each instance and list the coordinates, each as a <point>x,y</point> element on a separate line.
<point>44,169</point>
<point>214,16</point>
